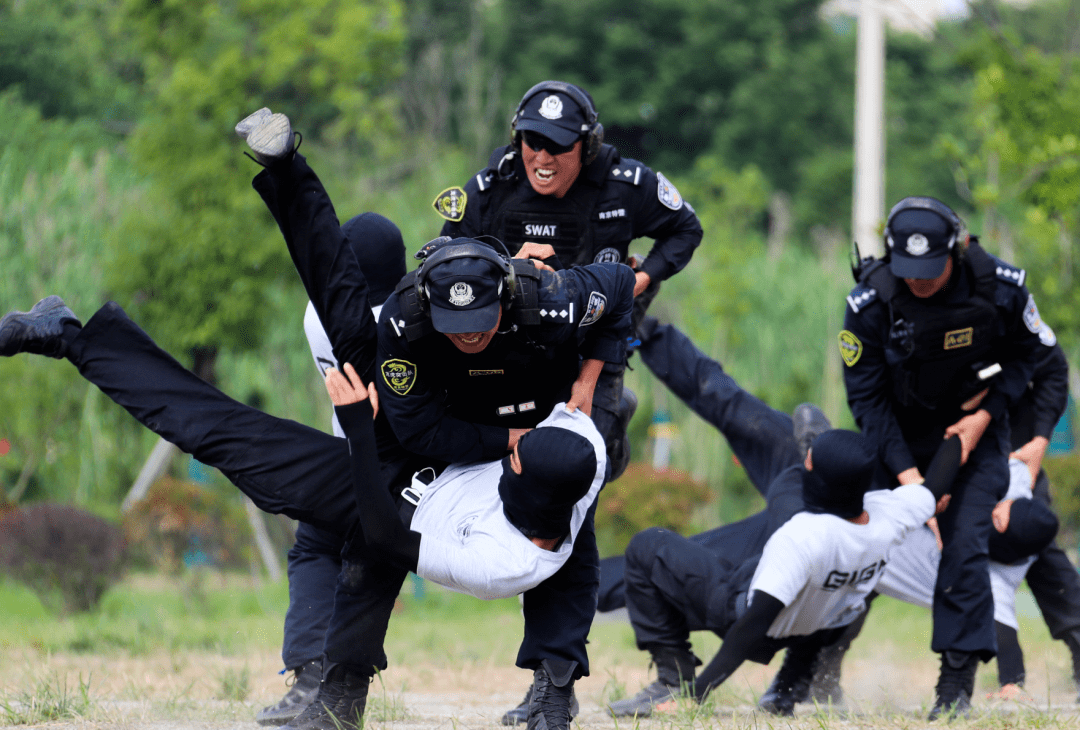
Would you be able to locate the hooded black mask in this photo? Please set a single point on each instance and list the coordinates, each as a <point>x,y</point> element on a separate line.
<point>843,470</point>
<point>1032,526</point>
<point>557,468</point>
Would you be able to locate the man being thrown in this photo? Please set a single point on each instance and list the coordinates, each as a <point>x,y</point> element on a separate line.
<point>523,512</point>
<point>781,585</point>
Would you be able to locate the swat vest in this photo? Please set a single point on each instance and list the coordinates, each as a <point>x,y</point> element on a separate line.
<point>524,310</point>
<point>515,214</point>
<point>934,352</point>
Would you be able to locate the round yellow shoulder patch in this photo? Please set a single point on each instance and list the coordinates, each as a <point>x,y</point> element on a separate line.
<point>850,347</point>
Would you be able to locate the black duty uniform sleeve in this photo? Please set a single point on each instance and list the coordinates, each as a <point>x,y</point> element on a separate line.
<point>602,296</point>
<point>326,264</point>
<point>739,642</point>
<point>1049,392</point>
<point>869,387</point>
<point>676,232</point>
<point>385,536</point>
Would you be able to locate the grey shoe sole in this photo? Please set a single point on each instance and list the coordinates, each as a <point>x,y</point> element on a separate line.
<point>251,121</point>
<point>273,139</point>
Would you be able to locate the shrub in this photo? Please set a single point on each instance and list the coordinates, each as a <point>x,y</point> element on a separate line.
<point>1064,474</point>
<point>182,523</point>
<point>644,497</point>
<point>66,555</point>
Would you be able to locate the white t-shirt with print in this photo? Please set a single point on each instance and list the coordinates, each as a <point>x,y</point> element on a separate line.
<point>468,545</point>
<point>821,567</point>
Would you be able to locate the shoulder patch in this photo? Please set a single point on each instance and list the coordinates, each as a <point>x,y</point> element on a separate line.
<point>667,193</point>
<point>451,204</point>
<point>850,347</point>
<point>594,310</point>
<point>1010,274</point>
<point>627,173</point>
<point>400,375</point>
<point>1036,326</point>
<point>860,297</point>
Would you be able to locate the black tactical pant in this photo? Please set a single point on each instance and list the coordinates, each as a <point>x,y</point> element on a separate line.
<point>314,562</point>
<point>760,436</point>
<point>283,466</point>
<point>1053,579</point>
<point>673,584</point>
<point>558,612</point>
<point>963,610</point>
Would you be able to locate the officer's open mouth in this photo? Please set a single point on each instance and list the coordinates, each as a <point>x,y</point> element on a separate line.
<point>544,175</point>
<point>469,339</point>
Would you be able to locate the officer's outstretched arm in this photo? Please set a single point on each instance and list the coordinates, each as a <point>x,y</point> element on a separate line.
<point>384,534</point>
<point>739,642</point>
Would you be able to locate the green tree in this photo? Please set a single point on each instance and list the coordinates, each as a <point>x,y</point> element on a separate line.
<point>197,257</point>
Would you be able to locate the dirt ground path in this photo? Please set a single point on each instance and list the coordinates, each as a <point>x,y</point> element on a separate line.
<point>166,692</point>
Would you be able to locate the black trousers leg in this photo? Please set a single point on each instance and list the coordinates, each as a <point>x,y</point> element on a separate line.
<point>314,564</point>
<point>559,611</point>
<point>760,436</point>
<point>963,607</point>
<point>1053,579</point>
<point>675,586</point>
<point>283,466</point>
<point>363,601</point>
<point>323,259</point>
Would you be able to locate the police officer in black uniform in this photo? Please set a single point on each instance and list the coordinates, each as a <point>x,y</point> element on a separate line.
<point>558,190</point>
<point>940,338</point>
<point>474,350</point>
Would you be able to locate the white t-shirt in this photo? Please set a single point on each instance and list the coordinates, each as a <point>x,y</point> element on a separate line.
<point>323,351</point>
<point>912,570</point>
<point>821,567</point>
<point>469,546</point>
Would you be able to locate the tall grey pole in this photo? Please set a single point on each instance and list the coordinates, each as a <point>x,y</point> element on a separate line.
<point>868,195</point>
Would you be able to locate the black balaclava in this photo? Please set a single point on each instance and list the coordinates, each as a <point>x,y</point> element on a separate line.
<point>843,469</point>
<point>1032,526</point>
<point>557,468</point>
<point>376,243</point>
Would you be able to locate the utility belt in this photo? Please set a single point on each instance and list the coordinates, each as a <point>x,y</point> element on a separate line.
<point>410,495</point>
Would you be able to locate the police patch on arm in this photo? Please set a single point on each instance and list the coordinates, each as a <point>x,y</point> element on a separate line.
<point>451,204</point>
<point>850,347</point>
<point>594,310</point>
<point>667,193</point>
<point>400,375</point>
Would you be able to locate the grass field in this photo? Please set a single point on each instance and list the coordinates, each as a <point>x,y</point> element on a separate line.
<point>201,650</point>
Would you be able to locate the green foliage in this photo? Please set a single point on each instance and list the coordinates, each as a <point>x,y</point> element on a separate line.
<point>234,685</point>
<point>1064,473</point>
<point>643,497</point>
<point>197,256</point>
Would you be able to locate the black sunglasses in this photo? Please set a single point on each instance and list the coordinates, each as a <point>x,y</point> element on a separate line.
<point>540,143</point>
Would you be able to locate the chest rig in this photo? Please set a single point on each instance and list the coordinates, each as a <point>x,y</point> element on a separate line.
<point>515,214</point>
<point>935,350</point>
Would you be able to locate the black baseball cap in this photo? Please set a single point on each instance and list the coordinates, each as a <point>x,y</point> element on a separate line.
<point>919,241</point>
<point>553,115</point>
<point>465,295</point>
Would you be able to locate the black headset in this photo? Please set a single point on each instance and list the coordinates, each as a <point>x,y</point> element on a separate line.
<point>594,132</point>
<point>960,232</point>
<point>466,249</point>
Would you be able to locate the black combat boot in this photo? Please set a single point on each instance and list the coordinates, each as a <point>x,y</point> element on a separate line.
<point>675,670</point>
<point>620,458</point>
<point>825,687</point>
<point>520,714</point>
<point>39,331</point>
<point>955,685</point>
<point>791,684</point>
<point>552,694</point>
<point>808,422</point>
<point>305,686</point>
<point>340,703</point>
